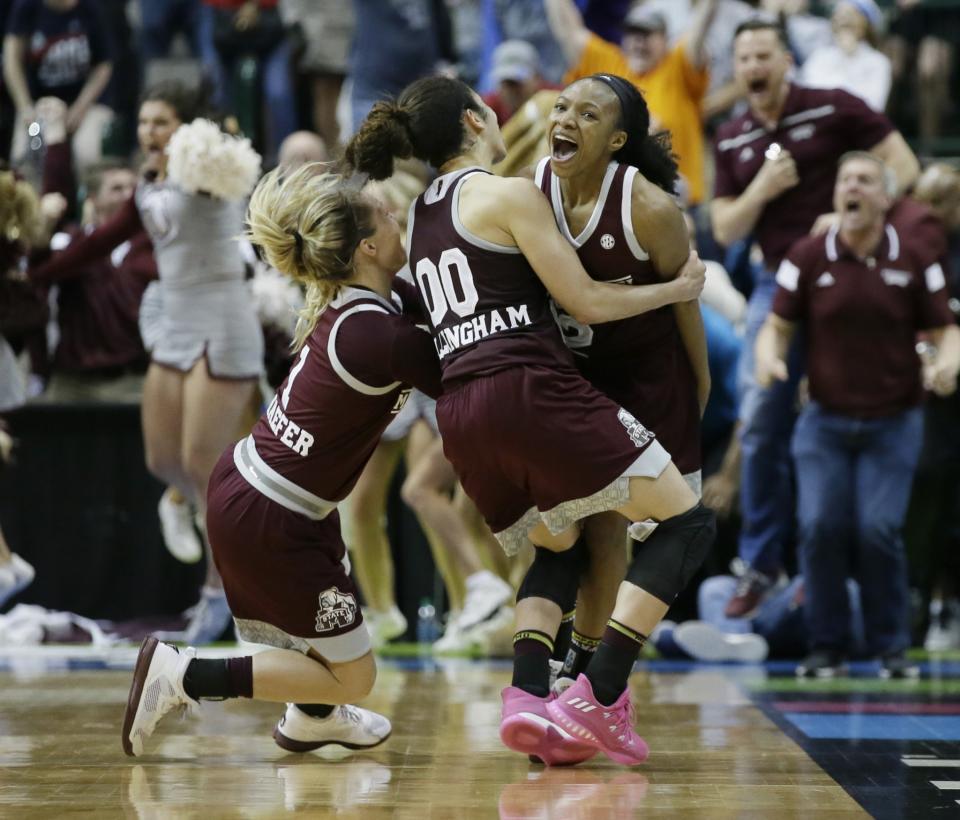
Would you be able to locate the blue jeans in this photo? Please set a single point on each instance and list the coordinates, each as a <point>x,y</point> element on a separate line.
<point>853,485</point>
<point>766,418</point>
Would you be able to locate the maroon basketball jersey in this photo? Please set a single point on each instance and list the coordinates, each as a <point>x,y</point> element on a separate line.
<point>348,381</point>
<point>610,252</point>
<point>640,362</point>
<point>485,306</point>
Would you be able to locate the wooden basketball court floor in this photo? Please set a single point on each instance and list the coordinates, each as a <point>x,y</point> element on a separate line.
<point>727,742</point>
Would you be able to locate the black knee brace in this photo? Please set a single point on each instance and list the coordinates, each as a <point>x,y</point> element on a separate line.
<point>664,564</point>
<point>554,576</point>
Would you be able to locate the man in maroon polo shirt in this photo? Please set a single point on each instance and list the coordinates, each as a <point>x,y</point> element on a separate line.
<point>775,169</point>
<point>861,292</point>
<point>99,354</point>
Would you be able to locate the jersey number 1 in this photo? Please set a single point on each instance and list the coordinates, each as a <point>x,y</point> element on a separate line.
<point>440,293</point>
<point>294,372</point>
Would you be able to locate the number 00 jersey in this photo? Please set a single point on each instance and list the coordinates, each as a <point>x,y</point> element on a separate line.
<point>351,377</point>
<point>485,306</point>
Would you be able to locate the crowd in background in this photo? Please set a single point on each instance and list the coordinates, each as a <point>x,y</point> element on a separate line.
<point>275,69</point>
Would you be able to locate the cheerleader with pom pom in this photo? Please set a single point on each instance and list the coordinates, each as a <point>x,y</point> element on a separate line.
<point>208,354</point>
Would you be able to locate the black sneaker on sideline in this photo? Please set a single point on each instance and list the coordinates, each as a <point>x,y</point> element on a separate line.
<point>898,665</point>
<point>822,663</point>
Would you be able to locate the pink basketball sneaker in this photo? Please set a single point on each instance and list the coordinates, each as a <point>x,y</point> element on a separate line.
<point>525,727</point>
<point>607,728</point>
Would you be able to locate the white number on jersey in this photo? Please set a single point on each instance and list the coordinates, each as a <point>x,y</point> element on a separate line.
<point>285,398</point>
<point>439,289</point>
<point>576,336</point>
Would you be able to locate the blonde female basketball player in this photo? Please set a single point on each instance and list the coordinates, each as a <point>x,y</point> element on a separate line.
<point>271,517</point>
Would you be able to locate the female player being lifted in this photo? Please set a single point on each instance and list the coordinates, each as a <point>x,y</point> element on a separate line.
<point>610,184</point>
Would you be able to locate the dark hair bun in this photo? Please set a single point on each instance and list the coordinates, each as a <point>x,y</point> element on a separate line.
<point>384,134</point>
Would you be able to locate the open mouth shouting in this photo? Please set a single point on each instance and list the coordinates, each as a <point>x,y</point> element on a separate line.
<point>563,148</point>
<point>757,86</point>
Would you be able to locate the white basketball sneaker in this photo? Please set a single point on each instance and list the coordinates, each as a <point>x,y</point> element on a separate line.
<point>451,642</point>
<point>944,631</point>
<point>15,576</point>
<point>348,726</point>
<point>384,626</point>
<point>176,524</point>
<point>479,639</point>
<point>704,642</point>
<point>156,689</point>
<point>486,594</point>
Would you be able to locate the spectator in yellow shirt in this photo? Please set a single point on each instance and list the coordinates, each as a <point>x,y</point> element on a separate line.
<point>673,80</point>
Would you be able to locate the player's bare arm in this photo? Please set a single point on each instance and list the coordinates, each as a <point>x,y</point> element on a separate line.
<point>660,228</point>
<point>517,210</point>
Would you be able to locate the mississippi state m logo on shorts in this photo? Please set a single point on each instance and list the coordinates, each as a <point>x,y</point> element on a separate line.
<point>337,610</point>
<point>639,434</point>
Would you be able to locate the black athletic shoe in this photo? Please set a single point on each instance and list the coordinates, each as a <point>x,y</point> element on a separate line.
<point>897,665</point>
<point>822,663</point>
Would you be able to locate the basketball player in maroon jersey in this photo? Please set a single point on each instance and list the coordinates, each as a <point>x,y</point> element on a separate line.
<point>535,446</point>
<point>271,515</point>
<point>610,184</point>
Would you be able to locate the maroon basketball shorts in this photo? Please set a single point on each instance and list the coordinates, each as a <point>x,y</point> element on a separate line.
<point>536,443</point>
<point>662,391</point>
<point>286,576</point>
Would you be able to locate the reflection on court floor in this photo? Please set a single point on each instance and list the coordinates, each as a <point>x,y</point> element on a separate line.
<point>726,742</point>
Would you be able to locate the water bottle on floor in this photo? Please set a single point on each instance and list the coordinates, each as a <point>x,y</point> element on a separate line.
<point>428,627</point>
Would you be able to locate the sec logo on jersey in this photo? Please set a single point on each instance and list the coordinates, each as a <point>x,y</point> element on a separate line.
<point>607,242</point>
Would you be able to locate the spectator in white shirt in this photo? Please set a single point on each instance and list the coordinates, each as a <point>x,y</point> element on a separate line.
<point>851,62</point>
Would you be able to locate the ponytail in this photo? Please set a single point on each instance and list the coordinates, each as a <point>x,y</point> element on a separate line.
<point>308,225</point>
<point>426,122</point>
<point>384,135</point>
